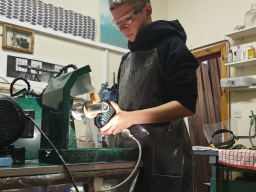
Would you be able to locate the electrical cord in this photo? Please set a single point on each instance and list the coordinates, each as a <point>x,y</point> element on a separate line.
<point>250,138</point>
<point>126,133</point>
<point>5,80</point>
<point>64,164</point>
<point>251,124</point>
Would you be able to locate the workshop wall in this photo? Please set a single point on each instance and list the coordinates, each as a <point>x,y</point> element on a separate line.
<point>207,22</point>
<point>60,51</point>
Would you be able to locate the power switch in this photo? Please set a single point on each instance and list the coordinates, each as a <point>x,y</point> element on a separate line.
<point>237,113</point>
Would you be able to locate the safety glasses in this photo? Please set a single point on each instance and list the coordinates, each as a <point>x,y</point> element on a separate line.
<point>127,19</point>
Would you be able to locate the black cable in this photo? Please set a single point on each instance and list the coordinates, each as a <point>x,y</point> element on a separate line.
<point>64,164</point>
<point>60,72</point>
<point>250,137</point>
<point>32,93</point>
<point>15,80</point>
<point>65,68</point>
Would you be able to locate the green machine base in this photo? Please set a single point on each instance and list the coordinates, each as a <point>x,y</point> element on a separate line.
<point>89,155</point>
<point>239,184</point>
<point>234,186</point>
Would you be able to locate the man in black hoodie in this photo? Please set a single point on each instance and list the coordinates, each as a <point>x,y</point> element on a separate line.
<point>157,88</point>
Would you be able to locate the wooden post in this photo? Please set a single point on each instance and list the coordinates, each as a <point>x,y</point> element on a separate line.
<point>222,47</point>
<point>224,74</point>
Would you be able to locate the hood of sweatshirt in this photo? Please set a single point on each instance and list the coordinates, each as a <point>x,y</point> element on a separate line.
<point>154,33</point>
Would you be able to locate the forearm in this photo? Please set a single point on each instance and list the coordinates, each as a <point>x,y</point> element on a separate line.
<point>164,113</point>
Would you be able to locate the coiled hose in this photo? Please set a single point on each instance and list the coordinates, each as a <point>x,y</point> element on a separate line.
<point>32,93</point>
<point>64,68</point>
<point>14,81</point>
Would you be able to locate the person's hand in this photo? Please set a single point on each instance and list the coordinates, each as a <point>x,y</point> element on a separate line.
<point>122,120</point>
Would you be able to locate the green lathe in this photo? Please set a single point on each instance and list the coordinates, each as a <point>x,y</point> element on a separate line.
<point>52,113</point>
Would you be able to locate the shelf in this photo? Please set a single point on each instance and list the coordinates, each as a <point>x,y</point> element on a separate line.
<point>243,33</point>
<point>251,88</point>
<point>242,63</point>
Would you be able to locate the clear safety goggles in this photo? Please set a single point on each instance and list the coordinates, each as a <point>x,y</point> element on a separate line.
<point>127,19</point>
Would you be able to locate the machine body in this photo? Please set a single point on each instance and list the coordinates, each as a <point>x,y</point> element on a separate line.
<point>56,105</point>
<point>52,113</point>
<point>13,125</point>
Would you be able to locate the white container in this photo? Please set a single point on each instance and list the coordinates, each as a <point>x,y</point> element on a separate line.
<point>238,54</point>
<point>250,17</point>
<point>244,54</point>
<point>237,82</point>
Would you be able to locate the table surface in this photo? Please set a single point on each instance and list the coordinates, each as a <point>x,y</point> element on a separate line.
<point>209,152</point>
<point>35,174</point>
<point>33,167</point>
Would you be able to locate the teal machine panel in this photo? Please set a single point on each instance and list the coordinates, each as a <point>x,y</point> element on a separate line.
<point>89,156</point>
<point>56,107</point>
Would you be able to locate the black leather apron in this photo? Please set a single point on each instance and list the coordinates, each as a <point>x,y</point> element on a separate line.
<point>166,150</point>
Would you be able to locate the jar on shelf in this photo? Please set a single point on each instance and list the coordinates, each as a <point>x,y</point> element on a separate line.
<point>250,17</point>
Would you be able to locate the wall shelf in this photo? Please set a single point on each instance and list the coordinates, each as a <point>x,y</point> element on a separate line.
<point>243,33</point>
<point>242,63</point>
<point>250,88</point>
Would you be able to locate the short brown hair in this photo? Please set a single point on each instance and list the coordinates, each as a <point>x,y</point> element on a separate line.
<point>113,4</point>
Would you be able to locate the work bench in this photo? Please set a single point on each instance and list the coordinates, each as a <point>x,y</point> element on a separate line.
<point>35,174</point>
<point>220,183</point>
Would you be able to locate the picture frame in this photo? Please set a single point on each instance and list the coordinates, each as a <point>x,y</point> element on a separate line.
<point>18,38</point>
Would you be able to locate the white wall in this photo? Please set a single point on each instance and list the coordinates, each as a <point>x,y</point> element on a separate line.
<point>60,51</point>
<point>160,9</point>
<point>207,22</point>
<point>91,8</point>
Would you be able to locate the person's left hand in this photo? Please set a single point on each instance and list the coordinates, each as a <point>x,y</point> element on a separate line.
<point>122,120</point>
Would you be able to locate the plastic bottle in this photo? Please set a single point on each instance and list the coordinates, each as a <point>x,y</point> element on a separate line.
<point>238,54</point>
<point>250,17</point>
<point>230,56</point>
<point>244,54</point>
<point>235,56</point>
<point>250,52</point>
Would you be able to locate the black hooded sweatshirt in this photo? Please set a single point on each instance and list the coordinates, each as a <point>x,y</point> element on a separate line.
<point>160,69</point>
<point>177,62</point>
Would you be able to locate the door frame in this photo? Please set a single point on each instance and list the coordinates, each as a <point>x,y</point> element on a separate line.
<point>223,47</point>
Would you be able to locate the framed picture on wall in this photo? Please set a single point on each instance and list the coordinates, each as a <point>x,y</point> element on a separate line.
<point>18,38</point>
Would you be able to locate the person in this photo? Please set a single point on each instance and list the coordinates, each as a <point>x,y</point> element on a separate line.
<point>157,88</point>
